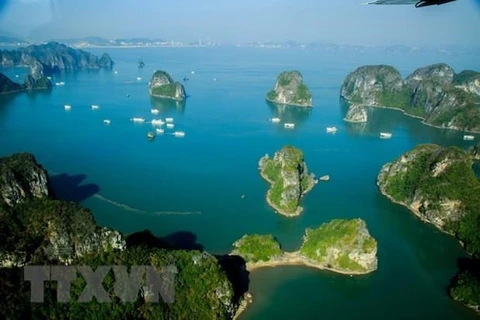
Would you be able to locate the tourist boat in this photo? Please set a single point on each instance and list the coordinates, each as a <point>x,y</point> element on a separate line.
<point>95,107</point>
<point>67,107</point>
<point>332,129</point>
<point>115,71</point>
<point>106,121</point>
<point>61,83</point>
<point>16,76</point>
<point>289,125</point>
<point>49,78</point>
<point>160,131</point>
<point>151,136</point>
<point>169,119</point>
<point>138,78</point>
<point>275,120</point>
<point>468,137</point>
<point>179,134</point>
<point>170,125</point>
<point>154,111</point>
<point>385,135</point>
<point>138,120</point>
<point>157,122</point>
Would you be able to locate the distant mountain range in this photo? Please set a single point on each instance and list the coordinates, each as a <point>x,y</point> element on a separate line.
<point>92,41</point>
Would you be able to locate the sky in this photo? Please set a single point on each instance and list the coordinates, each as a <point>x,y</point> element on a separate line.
<point>227,21</point>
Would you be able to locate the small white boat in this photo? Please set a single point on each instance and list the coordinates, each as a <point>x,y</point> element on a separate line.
<point>67,107</point>
<point>275,120</point>
<point>289,125</point>
<point>170,125</point>
<point>138,78</point>
<point>160,131</point>
<point>95,106</point>
<point>151,136</point>
<point>106,121</point>
<point>214,79</point>
<point>192,72</point>
<point>157,122</point>
<point>468,137</point>
<point>61,83</point>
<point>16,76</point>
<point>332,129</point>
<point>49,78</point>
<point>179,134</point>
<point>169,119</point>
<point>115,72</point>
<point>154,111</point>
<point>385,135</point>
<point>138,119</point>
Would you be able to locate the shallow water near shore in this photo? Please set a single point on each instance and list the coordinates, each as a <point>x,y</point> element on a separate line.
<point>191,188</point>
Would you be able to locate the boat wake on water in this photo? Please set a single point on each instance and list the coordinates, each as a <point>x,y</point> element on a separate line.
<point>128,208</point>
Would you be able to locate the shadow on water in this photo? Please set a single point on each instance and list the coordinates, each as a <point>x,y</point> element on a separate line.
<point>234,266</point>
<point>180,240</point>
<point>69,187</point>
<point>289,114</point>
<point>165,106</point>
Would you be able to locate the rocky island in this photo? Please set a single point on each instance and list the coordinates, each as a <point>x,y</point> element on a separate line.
<point>53,57</point>
<point>288,175</point>
<point>31,83</point>
<point>439,186</point>
<point>290,90</point>
<point>436,94</point>
<point>38,229</point>
<point>163,86</point>
<point>343,246</point>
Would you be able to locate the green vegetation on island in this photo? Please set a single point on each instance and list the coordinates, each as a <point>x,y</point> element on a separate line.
<point>343,246</point>
<point>31,83</point>
<point>289,178</point>
<point>39,230</point>
<point>163,86</point>
<point>434,93</point>
<point>290,90</point>
<point>254,248</point>
<point>438,185</point>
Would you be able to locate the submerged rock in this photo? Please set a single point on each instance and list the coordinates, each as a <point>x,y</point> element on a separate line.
<point>290,90</point>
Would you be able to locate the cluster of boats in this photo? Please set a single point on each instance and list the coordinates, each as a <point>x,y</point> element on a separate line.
<point>158,123</point>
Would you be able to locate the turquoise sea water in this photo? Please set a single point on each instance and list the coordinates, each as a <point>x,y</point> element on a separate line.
<point>190,189</point>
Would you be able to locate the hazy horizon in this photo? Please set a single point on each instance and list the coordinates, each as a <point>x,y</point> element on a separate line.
<point>303,21</point>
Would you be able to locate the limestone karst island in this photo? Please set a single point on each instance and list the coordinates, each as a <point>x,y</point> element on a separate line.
<point>288,175</point>
<point>38,229</point>
<point>436,94</point>
<point>343,246</point>
<point>163,86</point>
<point>439,186</point>
<point>290,90</point>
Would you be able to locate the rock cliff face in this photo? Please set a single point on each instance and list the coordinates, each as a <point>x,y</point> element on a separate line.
<point>21,179</point>
<point>344,245</point>
<point>438,185</point>
<point>290,90</point>
<point>31,83</point>
<point>163,86</point>
<point>8,86</point>
<point>434,93</point>
<point>63,230</point>
<point>356,114</point>
<point>52,57</point>
<point>288,174</point>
